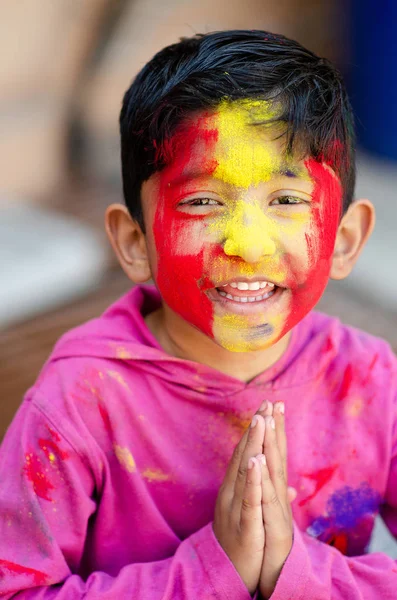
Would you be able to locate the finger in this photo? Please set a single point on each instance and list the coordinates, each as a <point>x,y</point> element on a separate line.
<point>272,509</point>
<point>253,447</point>
<point>292,493</point>
<point>268,409</point>
<point>235,461</point>
<point>279,419</point>
<point>251,505</point>
<point>274,461</point>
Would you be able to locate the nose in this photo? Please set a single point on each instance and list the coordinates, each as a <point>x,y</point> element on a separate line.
<point>249,234</point>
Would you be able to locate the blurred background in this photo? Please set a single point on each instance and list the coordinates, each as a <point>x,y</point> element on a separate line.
<point>64,67</point>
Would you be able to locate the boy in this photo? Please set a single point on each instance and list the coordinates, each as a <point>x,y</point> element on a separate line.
<point>118,473</point>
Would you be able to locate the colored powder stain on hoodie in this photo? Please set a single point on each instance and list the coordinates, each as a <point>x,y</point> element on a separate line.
<point>35,472</point>
<point>347,509</point>
<point>135,497</point>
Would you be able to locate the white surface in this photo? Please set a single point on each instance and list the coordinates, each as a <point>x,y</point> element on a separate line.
<point>45,260</point>
<point>382,540</point>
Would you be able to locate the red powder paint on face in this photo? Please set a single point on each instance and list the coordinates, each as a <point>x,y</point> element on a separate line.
<point>326,211</point>
<point>171,230</point>
<point>321,477</point>
<point>39,578</point>
<point>35,473</point>
<point>184,262</point>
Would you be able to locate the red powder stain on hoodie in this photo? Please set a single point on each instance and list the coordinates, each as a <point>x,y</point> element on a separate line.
<point>105,417</point>
<point>34,470</point>
<point>321,477</point>
<point>370,369</point>
<point>338,541</point>
<point>51,448</point>
<point>346,382</point>
<point>39,578</point>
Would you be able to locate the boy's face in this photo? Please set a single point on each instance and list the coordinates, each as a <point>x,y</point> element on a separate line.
<point>231,211</point>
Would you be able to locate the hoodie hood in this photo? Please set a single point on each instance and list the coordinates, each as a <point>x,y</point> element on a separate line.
<point>121,334</point>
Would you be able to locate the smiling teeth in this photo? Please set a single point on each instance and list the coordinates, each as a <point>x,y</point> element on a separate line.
<point>245,298</point>
<point>252,285</point>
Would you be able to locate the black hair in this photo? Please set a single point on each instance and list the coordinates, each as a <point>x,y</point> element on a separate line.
<point>199,72</point>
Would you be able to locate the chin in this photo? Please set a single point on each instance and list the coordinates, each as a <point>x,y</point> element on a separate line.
<point>262,338</point>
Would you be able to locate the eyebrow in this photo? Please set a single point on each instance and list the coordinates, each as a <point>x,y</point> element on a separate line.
<point>285,170</point>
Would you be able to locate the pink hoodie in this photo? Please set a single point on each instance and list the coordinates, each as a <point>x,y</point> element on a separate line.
<point>111,468</point>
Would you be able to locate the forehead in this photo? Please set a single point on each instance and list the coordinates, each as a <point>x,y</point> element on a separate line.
<point>241,143</point>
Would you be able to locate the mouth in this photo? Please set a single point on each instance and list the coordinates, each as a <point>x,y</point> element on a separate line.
<point>246,296</point>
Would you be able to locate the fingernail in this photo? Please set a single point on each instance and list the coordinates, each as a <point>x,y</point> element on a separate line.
<point>280,407</point>
<point>263,406</point>
<point>251,463</point>
<point>269,409</point>
<point>254,421</point>
<point>262,459</point>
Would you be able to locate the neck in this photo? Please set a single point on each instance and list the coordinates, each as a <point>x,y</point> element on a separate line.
<point>178,338</point>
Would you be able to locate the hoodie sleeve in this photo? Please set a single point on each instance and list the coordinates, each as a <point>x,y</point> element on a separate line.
<point>46,501</point>
<point>315,570</point>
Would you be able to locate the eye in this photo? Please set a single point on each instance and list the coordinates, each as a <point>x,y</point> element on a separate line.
<point>286,200</point>
<point>200,202</point>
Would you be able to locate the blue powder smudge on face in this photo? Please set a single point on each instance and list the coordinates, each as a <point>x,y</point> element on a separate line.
<point>264,330</point>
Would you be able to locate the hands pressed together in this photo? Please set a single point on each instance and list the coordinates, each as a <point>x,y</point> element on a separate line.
<point>253,517</point>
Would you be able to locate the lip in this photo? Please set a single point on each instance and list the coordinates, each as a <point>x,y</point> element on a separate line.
<point>248,308</point>
<point>246,280</point>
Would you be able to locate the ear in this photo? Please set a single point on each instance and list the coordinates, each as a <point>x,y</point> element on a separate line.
<point>354,230</point>
<point>128,242</point>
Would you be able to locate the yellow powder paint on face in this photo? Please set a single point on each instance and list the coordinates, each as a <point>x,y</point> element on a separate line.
<point>250,233</point>
<point>228,329</point>
<point>234,332</point>
<point>247,217</point>
<point>118,377</point>
<point>155,475</point>
<point>243,157</point>
<point>125,458</point>
<point>246,158</point>
<point>227,269</point>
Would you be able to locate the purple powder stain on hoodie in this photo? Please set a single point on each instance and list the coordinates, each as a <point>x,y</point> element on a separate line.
<point>348,518</point>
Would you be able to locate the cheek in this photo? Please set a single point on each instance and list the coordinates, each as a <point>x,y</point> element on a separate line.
<point>309,266</point>
<point>319,242</point>
<point>326,215</point>
<point>181,266</point>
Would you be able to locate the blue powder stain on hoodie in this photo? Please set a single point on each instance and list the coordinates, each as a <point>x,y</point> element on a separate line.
<point>346,507</point>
